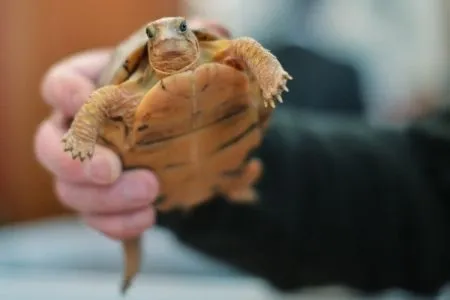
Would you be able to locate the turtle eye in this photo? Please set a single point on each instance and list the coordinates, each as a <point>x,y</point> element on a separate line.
<point>149,33</point>
<point>183,26</point>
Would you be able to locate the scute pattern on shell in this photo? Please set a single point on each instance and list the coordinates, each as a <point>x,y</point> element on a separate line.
<point>194,130</point>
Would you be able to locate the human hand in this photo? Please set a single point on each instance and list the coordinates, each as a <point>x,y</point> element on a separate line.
<point>116,203</point>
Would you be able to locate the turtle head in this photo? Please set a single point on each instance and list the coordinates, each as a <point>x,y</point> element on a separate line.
<point>172,46</point>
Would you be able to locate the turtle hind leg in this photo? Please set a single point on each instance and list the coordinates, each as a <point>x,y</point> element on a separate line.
<point>240,187</point>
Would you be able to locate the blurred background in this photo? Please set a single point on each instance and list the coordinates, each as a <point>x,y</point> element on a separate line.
<point>397,51</point>
<point>399,48</point>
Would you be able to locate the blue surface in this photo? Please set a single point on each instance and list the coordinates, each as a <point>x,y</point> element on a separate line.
<point>63,259</point>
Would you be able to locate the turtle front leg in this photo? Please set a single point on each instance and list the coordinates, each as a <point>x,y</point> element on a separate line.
<point>264,66</point>
<point>104,103</point>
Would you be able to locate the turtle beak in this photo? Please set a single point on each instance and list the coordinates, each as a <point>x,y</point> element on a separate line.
<point>171,47</point>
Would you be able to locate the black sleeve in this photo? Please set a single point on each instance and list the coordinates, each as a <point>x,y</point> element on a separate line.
<point>341,203</point>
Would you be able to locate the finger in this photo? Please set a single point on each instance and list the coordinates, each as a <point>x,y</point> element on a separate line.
<point>104,168</point>
<point>133,190</point>
<point>86,63</point>
<point>122,226</point>
<point>68,83</point>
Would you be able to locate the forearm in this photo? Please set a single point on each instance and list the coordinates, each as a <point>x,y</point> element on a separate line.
<point>340,204</point>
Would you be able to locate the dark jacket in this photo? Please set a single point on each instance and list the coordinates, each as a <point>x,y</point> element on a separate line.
<point>341,203</point>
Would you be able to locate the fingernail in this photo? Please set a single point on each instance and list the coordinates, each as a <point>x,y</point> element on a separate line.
<point>103,169</point>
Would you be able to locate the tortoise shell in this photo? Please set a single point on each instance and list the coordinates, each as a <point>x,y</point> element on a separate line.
<point>194,129</point>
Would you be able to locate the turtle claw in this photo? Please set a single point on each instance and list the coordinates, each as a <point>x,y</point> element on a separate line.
<point>77,148</point>
<point>287,76</point>
<point>272,92</point>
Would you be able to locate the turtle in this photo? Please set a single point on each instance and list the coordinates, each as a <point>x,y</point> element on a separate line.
<point>188,104</point>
